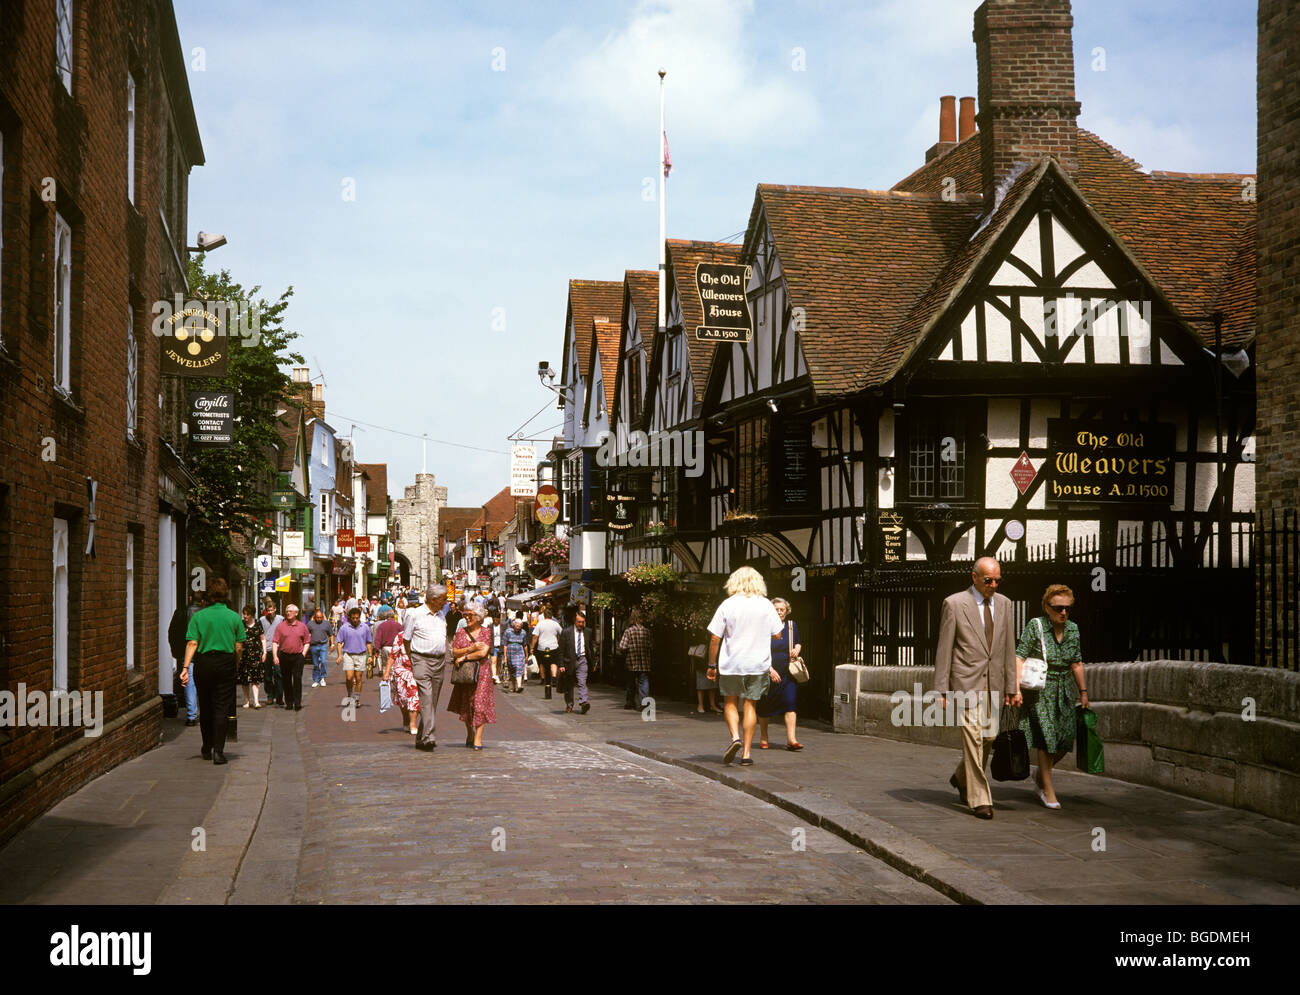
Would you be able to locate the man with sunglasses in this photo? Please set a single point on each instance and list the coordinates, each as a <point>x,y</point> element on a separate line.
<point>976,658</point>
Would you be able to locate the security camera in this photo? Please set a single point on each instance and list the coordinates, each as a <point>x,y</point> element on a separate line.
<point>772,405</point>
<point>209,242</point>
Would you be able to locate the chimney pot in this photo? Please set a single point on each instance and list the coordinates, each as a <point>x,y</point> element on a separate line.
<point>966,119</point>
<point>948,119</point>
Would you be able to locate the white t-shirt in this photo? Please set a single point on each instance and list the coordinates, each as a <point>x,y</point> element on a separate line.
<point>548,634</point>
<point>425,632</point>
<point>746,626</point>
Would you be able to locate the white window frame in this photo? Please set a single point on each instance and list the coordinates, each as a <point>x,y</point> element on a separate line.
<point>62,305</point>
<point>326,443</point>
<point>130,601</point>
<point>130,138</point>
<point>59,612</point>
<point>326,512</point>
<point>132,378</point>
<point>63,42</point>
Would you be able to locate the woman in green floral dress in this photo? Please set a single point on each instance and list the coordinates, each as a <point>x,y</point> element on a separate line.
<point>1048,716</point>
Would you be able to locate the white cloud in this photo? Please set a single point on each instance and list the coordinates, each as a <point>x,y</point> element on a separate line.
<point>716,84</point>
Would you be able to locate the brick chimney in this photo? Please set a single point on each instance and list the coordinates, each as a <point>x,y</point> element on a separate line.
<point>1027,108</point>
<point>947,128</point>
<point>966,119</point>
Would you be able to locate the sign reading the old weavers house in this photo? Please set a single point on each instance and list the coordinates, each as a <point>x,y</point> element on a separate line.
<point>721,287</point>
<point>1109,462</point>
<point>212,419</point>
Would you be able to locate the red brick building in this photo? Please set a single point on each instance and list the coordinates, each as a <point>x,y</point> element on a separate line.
<point>97,138</point>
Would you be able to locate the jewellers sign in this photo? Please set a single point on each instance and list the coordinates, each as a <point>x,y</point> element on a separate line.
<point>212,419</point>
<point>1109,462</point>
<point>721,288</point>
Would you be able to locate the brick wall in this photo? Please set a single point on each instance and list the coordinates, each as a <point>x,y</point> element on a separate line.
<point>1027,109</point>
<point>68,154</point>
<point>1278,274</point>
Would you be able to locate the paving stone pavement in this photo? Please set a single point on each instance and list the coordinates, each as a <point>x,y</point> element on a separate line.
<point>893,799</point>
<point>335,805</point>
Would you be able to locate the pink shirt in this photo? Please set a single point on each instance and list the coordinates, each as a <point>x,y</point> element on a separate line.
<point>292,637</point>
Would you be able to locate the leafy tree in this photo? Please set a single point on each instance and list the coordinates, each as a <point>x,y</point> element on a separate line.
<point>231,497</point>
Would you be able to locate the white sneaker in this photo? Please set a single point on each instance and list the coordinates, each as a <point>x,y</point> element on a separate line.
<point>322,683</point>
<point>315,684</point>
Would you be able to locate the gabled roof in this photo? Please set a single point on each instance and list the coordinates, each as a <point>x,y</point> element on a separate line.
<point>873,270</point>
<point>452,522</point>
<point>290,424</point>
<point>640,292</point>
<point>603,341</point>
<point>683,257</point>
<point>376,487</point>
<point>857,261</point>
<point>500,507</point>
<point>588,300</point>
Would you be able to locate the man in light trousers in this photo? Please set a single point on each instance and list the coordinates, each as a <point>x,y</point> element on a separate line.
<point>425,639</point>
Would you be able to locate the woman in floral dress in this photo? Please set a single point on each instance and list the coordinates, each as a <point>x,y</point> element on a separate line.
<point>250,661</point>
<point>401,684</point>
<point>474,703</point>
<point>1047,720</point>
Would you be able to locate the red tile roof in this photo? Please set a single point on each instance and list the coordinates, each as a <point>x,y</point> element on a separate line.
<point>605,337</point>
<point>376,487</point>
<point>641,291</point>
<point>589,300</point>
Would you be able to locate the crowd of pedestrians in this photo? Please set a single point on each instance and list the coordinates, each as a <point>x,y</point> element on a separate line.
<point>752,658</point>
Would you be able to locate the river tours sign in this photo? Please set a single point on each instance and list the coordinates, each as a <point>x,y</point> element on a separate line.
<point>1109,462</point>
<point>721,287</point>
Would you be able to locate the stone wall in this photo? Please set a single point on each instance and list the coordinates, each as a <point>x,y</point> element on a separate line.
<point>1169,724</point>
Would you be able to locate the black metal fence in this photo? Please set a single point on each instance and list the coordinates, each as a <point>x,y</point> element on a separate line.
<point>1277,588</point>
<point>1146,598</point>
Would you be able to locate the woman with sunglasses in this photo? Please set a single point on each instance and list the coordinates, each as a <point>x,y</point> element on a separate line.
<point>1048,716</point>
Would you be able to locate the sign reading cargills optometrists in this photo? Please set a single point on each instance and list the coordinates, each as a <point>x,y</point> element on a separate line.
<point>1109,462</point>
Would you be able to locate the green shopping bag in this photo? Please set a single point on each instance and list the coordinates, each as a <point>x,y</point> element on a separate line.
<point>1089,757</point>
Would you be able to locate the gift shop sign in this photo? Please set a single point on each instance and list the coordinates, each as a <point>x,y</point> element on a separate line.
<point>721,288</point>
<point>548,505</point>
<point>523,471</point>
<point>212,419</point>
<point>1109,462</point>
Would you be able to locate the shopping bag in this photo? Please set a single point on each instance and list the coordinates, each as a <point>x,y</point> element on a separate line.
<point>1010,749</point>
<point>385,697</point>
<point>533,669</point>
<point>1089,757</point>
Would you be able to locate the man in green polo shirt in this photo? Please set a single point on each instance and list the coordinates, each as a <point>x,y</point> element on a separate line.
<point>214,640</point>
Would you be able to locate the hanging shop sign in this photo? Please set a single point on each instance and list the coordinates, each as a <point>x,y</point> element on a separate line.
<point>620,511</point>
<point>293,544</point>
<point>194,339</point>
<point>548,505</point>
<point>523,471</point>
<point>284,499</point>
<point>1109,462</point>
<point>283,581</point>
<point>344,538</point>
<point>212,419</point>
<point>889,524</point>
<point>721,288</point>
<point>361,544</point>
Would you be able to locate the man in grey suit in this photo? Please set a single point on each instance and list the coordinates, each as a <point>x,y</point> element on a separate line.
<point>976,658</point>
<point>574,652</point>
<point>425,638</point>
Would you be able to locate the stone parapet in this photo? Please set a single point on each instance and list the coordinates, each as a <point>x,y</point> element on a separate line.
<point>1222,733</point>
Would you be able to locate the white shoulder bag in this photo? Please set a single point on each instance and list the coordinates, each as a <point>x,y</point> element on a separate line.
<point>1033,675</point>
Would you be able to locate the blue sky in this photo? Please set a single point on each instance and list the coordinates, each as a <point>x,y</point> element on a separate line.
<point>499,149</point>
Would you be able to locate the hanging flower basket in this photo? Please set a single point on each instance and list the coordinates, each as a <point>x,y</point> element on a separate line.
<point>652,575</point>
<point>551,548</point>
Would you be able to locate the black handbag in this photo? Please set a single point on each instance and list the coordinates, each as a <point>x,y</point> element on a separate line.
<point>1010,749</point>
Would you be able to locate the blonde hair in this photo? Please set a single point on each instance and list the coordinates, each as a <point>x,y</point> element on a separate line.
<point>747,581</point>
<point>1052,591</point>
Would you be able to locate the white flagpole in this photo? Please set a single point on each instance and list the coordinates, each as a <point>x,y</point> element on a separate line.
<point>663,268</point>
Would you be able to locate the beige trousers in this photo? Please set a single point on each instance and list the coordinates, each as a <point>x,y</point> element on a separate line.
<point>976,750</point>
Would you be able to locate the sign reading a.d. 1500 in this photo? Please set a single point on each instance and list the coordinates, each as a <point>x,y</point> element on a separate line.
<point>721,287</point>
<point>1110,462</point>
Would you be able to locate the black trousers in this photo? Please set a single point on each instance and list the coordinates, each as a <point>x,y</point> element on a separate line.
<point>545,660</point>
<point>291,665</point>
<point>214,675</point>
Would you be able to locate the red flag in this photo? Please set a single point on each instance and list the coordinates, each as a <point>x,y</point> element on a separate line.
<point>668,157</point>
